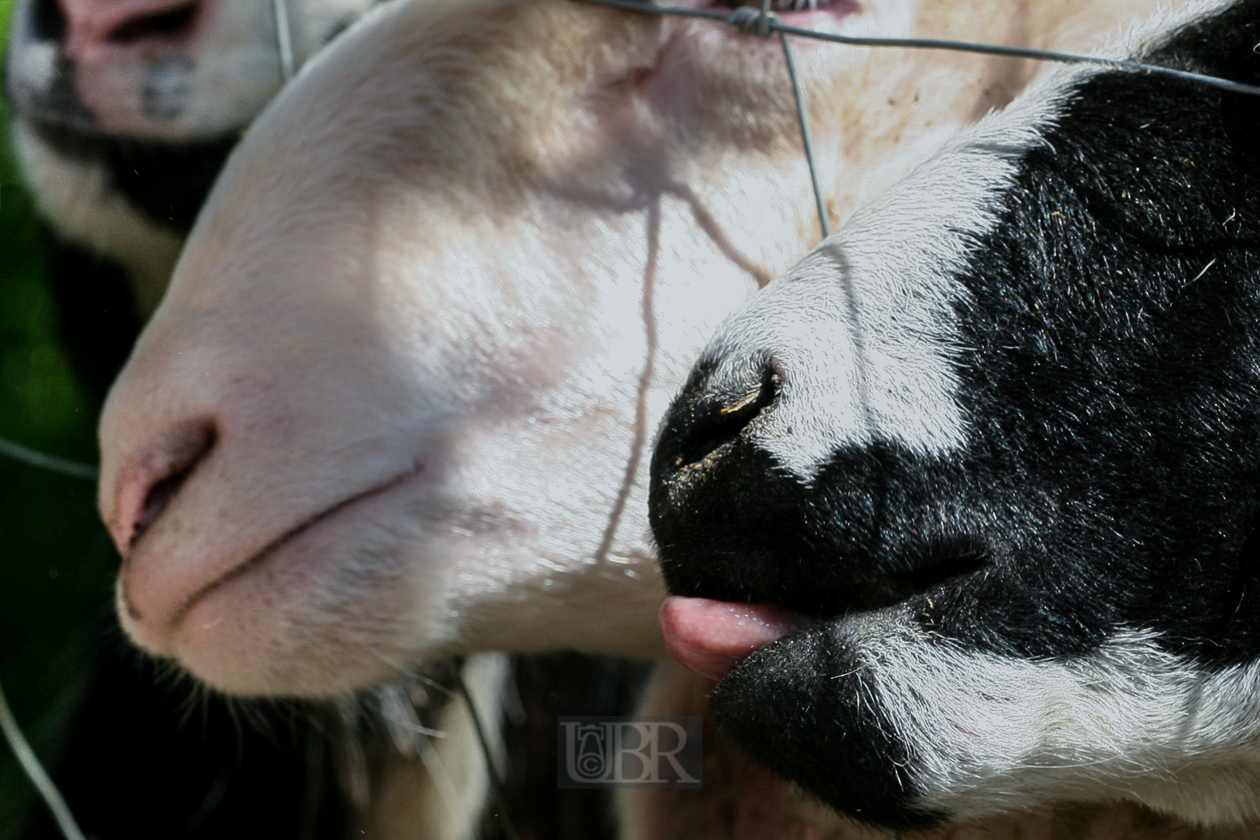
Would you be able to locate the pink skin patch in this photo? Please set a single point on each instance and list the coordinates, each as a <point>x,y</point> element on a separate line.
<point>712,637</point>
<point>94,27</point>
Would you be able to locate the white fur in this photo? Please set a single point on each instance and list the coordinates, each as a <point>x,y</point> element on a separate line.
<point>437,786</point>
<point>380,290</point>
<point>861,330</point>
<point>213,85</point>
<point>992,733</point>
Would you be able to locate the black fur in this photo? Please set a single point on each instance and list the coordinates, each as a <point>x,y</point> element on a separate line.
<point>1111,387</point>
<point>749,706</point>
<point>96,313</point>
<point>165,181</point>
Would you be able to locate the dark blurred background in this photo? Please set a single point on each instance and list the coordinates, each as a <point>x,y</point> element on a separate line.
<point>56,563</point>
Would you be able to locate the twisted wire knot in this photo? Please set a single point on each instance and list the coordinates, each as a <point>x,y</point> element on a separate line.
<point>752,21</point>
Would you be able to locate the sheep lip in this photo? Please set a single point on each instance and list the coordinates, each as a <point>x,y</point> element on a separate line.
<point>261,556</point>
<point>894,588</point>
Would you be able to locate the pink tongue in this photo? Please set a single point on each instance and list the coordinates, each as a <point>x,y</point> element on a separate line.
<point>712,637</point>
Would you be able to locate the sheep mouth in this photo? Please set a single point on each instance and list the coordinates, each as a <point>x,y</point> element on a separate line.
<point>280,543</point>
<point>891,589</point>
<point>711,637</point>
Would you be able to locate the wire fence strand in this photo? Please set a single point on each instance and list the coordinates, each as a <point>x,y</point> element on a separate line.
<point>802,118</point>
<point>773,24</point>
<point>284,38</point>
<point>50,463</point>
<point>35,772</point>
<point>762,22</point>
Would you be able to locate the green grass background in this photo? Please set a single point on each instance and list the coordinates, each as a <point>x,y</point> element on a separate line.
<point>56,563</point>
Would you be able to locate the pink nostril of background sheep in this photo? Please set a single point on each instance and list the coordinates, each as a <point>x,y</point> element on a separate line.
<point>145,489</point>
<point>97,25</point>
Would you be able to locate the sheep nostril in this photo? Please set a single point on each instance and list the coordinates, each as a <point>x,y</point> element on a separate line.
<point>155,501</point>
<point>48,22</point>
<point>713,426</point>
<point>159,486</point>
<point>166,25</point>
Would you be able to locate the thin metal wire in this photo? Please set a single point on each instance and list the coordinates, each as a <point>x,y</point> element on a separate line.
<point>734,18</point>
<point>284,37</point>
<point>52,463</point>
<point>803,119</point>
<point>762,22</point>
<point>36,773</point>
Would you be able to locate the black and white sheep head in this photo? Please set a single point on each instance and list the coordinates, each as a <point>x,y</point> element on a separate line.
<point>963,508</point>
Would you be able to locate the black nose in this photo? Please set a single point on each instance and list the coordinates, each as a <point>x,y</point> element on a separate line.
<point>716,497</point>
<point>701,422</point>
